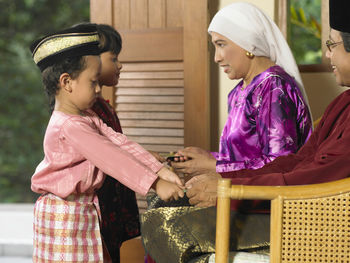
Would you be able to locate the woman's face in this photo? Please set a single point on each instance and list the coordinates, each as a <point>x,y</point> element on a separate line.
<point>111,67</point>
<point>339,58</point>
<point>231,57</point>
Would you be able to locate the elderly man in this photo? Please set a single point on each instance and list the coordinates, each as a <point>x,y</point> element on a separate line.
<point>325,156</point>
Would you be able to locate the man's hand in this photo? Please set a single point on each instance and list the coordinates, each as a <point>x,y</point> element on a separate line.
<point>202,190</point>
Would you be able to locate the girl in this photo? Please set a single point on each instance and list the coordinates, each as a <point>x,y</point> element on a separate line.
<point>119,211</point>
<point>79,150</point>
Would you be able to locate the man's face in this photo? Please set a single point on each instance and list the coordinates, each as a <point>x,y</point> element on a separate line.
<point>339,58</point>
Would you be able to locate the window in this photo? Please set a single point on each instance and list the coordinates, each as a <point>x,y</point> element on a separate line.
<point>305,25</point>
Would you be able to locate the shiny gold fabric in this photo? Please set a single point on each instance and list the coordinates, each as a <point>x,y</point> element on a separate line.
<point>54,44</point>
<point>187,234</point>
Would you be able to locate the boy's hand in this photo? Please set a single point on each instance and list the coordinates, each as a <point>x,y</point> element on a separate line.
<point>166,190</point>
<point>157,156</point>
<point>170,176</point>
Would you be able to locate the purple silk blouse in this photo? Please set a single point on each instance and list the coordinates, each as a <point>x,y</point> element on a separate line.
<point>267,119</point>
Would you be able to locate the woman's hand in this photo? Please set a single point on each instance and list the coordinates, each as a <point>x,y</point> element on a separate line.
<point>194,161</point>
<point>170,176</point>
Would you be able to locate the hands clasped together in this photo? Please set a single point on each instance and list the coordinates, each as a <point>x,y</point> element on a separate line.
<point>168,186</point>
<point>197,163</point>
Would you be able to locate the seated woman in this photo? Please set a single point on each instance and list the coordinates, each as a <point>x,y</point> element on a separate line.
<point>268,111</point>
<point>269,117</point>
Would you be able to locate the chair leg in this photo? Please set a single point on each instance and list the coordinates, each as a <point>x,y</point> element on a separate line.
<point>223,221</point>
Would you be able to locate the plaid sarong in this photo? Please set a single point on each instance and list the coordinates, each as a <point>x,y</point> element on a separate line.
<point>67,230</point>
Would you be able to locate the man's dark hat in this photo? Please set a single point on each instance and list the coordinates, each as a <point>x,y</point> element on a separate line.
<point>339,15</point>
<point>81,40</point>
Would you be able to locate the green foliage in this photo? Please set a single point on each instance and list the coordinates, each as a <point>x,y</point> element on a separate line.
<point>23,105</point>
<point>305,31</point>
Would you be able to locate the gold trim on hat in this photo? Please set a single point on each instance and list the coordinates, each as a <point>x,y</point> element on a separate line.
<point>57,43</point>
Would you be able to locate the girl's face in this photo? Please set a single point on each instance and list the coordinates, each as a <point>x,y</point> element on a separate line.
<point>110,71</point>
<point>231,57</point>
<point>85,87</point>
<point>339,58</point>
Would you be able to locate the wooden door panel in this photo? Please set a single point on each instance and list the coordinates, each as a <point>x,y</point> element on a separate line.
<point>152,123</point>
<point>138,14</point>
<point>150,91</point>
<point>121,14</point>
<point>157,14</point>
<point>150,107</point>
<point>175,11</point>
<point>151,83</point>
<point>151,115</point>
<point>153,66</point>
<point>152,45</point>
<point>154,75</point>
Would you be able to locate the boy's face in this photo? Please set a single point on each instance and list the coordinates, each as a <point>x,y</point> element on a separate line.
<point>110,69</point>
<point>85,87</point>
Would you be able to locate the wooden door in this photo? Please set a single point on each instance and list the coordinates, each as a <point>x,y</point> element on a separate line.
<point>162,98</point>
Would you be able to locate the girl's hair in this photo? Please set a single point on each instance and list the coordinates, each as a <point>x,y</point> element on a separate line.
<point>51,75</point>
<point>110,39</point>
<point>346,40</point>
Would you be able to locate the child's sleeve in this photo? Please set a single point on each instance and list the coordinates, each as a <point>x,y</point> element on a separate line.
<point>111,157</point>
<point>133,148</point>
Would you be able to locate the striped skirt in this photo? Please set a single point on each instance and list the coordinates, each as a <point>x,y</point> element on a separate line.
<point>67,230</point>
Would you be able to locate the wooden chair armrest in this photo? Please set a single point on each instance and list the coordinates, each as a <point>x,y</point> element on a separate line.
<point>242,192</point>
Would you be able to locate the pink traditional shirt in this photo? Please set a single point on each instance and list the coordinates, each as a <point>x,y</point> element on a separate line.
<point>80,149</point>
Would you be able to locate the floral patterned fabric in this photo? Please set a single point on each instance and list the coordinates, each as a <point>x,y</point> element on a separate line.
<point>268,118</point>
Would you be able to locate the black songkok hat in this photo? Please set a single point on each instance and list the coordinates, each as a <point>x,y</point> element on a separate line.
<point>81,40</point>
<point>339,15</point>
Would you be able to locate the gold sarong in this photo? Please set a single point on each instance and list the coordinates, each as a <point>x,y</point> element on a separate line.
<point>187,234</point>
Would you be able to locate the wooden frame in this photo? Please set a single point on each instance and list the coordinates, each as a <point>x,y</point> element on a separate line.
<point>196,74</point>
<point>283,16</point>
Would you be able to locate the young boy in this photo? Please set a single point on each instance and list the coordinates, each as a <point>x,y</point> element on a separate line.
<point>79,151</point>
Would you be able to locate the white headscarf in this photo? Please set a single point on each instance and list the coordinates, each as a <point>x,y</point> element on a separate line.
<point>254,31</point>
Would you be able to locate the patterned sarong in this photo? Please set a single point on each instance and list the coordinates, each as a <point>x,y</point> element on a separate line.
<point>187,234</point>
<point>67,230</point>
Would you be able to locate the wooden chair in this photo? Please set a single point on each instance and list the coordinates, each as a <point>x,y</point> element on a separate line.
<point>309,223</point>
